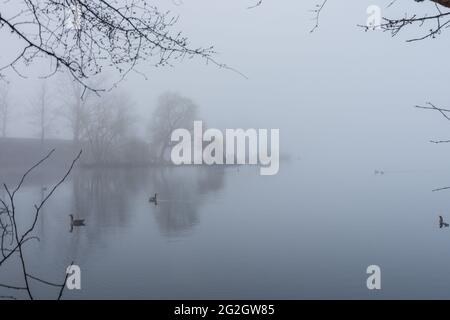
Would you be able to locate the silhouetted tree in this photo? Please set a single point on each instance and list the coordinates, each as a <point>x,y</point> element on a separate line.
<point>4,109</point>
<point>73,108</point>
<point>41,112</point>
<point>107,126</point>
<point>173,111</point>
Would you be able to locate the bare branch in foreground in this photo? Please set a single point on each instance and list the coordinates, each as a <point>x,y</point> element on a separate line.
<point>84,37</point>
<point>257,4</point>
<point>10,228</point>
<point>442,111</point>
<point>440,189</point>
<point>317,11</point>
<point>435,22</point>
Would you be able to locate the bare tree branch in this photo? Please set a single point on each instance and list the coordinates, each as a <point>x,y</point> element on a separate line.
<point>317,11</point>
<point>16,247</point>
<point>86,36</point>
<point>433,107</point>
<point>257,4</point>
<point>435,22</point>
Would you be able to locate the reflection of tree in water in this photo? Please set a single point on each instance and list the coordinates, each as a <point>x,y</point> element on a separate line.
<point>107,197</point>
<point>104,196</point>
<point>210,179</point>
<point>180,193</point>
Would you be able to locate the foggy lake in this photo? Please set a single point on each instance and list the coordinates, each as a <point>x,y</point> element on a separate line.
<point>339,116</point>
<point>223,233</point>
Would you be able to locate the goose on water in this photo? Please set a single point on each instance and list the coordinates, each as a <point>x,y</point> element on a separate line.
<point>442,224</point>
<point>76,222</point>
<point>154,199</point>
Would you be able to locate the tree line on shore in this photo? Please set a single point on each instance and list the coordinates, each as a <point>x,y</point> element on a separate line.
<point>103,125</point>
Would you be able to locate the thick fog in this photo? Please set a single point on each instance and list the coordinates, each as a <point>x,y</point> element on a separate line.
<point>357,188</point>
<point>339,95</point>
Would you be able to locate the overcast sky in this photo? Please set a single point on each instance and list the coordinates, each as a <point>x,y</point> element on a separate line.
<point>339,95</point>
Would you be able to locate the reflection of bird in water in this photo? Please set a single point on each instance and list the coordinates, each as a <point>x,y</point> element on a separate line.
<point>154,199</point>
<point>75,222</point>
<point>442,224</point>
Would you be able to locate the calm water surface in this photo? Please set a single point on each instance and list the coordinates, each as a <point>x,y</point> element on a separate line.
<point>308,232</point>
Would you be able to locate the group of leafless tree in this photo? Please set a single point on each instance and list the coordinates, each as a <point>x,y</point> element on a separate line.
<point>104,125</point>
<point>38,113</point>
<point>83,38</point>
<point>86,39</point>
<point>97,121</point>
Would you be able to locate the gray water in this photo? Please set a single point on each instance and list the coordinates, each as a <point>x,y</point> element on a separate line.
<point>308,232</point>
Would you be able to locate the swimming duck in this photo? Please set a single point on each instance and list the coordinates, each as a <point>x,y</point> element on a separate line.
<point>442,224</point>
<point>76,222</point>
<point>154,199</point>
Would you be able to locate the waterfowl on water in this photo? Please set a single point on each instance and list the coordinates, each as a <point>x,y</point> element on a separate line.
<point>154,199</point>
<point>76,222</point>
<point>442,224</point>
